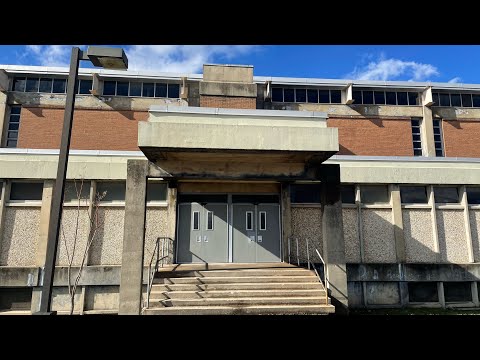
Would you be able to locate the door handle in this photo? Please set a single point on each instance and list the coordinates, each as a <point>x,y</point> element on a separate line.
<point>205,238</point>
<point>199,238</point>
<point>251,238</point>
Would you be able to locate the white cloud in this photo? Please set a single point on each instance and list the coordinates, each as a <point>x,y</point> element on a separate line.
<point>455,80</point>
<point>168,58</point>
<point>394,69</point>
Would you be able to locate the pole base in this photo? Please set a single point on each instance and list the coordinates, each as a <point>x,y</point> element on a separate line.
<point>45,313</point>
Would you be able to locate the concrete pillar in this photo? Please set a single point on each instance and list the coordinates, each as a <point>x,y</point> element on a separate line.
<point>44,221</point>
<point>441,294</point>
<point>475,293</point>
<point>172,212</point>
<point>427,124</point>
<point>5,195</point>
<point>433,213</point>
<point>131,280</point>
<point>3,118</point>
<point>91,210</point>
<point>398,233</point>
<point>286,220</point>
<point>466,218</point>
<point>333,240</point>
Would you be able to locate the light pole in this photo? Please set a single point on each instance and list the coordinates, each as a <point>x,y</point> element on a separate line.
<point>109,58</point>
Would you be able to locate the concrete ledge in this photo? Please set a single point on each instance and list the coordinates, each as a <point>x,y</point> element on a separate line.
<point>228,89</point>
<point>12,276</point>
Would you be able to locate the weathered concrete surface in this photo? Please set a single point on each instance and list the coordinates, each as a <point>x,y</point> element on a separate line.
<point>426,128</point>
<point>286,208</point>
<point>102,298</point>
<point>3,117</point>
<point>355,294</point>
<point>397,220</point>
<point>228,89</point>
<point>228,73</point>
<point>18,276</point>
<point>420,247</point>
<point>133,238</point>
<point>383,293</point>
<point>41,252</point>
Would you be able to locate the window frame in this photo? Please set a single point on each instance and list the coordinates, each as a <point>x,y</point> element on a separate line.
<point>441,142</point>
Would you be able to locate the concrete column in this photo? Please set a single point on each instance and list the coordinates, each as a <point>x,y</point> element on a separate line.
<point>433,213</point>
<point>5,195</point>
<point>428,142</point>
<point>44,221</point>
<point>441,294</point>
<point>475,294</point>
<point>172,211</point>
<point>131,279</point>
<point>91,210</point>
<point>333,239</point>
<point>398,233</point>
<point>3,118</point>
<point>466,217</point>
<point>286,220</point>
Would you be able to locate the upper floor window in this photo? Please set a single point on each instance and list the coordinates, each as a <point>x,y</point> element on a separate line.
<point>304,95</point>
<point>416,137</point>
<point>380,97</point>
<point>437,136</point>
<point>456,99</point>
<point>13,126</point>
<point>49,85</point>
<point>143,89</point>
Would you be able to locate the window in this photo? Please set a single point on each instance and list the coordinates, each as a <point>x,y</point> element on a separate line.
<point>196,220</point>
<point>148,90</point>
<point>437,135</point>
<point>402,98</point>
<point>277,94</point>
<point>476,100</point>
<point>457,291</point>
<point>374,194</point>
<point>324,96</point>
<point>305,193</point>
<point>413,194</point>
<point>379,97</point>
<point>209,220</point>
<point>445,194</point>
<point>249,220</point>
<point>335,96</point>
<point>59,86</point>
<point>422,291</point>
<point>115,191</point>
<point>444,99</point>
<point>161,90</point>
<point>413,98</point>
<point>173,90</point>
<point>19,83</point>
<point>348,194</point>
<point>109,87</point>
<point>135,89</point>
<point>357,97</point>
<point>26,191</point>
<point>467,100</point>
<point>46,85</point>
<point>416,137</point>
<point>456,99</point>
<point>368,97</point>
<point>84,87</point>
<point>32,84</point>
<point>312,96</point>
<point>138,88</point>
<point>13,126</point>
<point>300,95</point>
<point>391,97</point>
<point>122,88</point>
<point>73,187</point>
<point>289,95</point>
<point>473,195</point>
<point>263,220</point>
<point>156,191</point>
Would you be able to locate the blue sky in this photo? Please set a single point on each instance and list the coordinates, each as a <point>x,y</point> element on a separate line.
<point>441,63</point>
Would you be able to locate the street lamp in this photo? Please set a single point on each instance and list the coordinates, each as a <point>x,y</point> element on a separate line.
<point>109,58</point>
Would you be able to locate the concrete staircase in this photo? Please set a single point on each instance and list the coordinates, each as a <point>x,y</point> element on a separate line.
<point>237,289</point>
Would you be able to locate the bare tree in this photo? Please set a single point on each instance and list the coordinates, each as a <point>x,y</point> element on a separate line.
<point>95,223</point>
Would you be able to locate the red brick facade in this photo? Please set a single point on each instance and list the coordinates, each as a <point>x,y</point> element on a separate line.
<point>375,137</point>
<point>461,138</point>
<point>228,102</point>
<point>40,128</point>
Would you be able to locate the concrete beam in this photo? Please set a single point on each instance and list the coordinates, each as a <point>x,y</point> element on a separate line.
<point>348,95</point>
<point>228,73</point>
<point>397,219</point>
<point>427,97</point>
<point>130,302</point>
<point>44,222</point>
<point>228,89</point>
<point>4,81</point>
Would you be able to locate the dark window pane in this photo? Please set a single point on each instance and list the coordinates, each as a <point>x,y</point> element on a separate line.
<point>305,193</point>
<point>415,122</point>
<point>249,218</point>
<point>436,130</point>
<point>115,191</point>
<point>15,109</point>
<point>277,94</point>
<point>423,291</point>
<point>19,84</point>
<point>416,137</point>
<point>437,137</point>
<point>473,195</point>
<point>288,95</point>
<point>455,99</point>
<point>324,96</point>
<point>413,194</point>
<point>263,220</point>
<point>412,98</point>
<point>436,123</point>
<point>109,87</point>
<point>85,87</point>
<point>46,85</point>
<point>156,191</point>
<point>14,118</point>
<point>466,100</point>
<point>72,188</point>
<point>374,194</point>
<point>11,143</point>
<point>12,135</point>
<point>445,194</point>
<point>402,98</point>
<point>122,88</point>
<point>417,152</point>
<point>391,97</point>
<point>357,97</point>
<point>59,86</point>
<point>457,291</point>
<point>379,97</point>
<point>312,95</point>
<point>196,220</point>
<point>209,220</point>
<point>444,99</point>
<point>300,95</point>
<point>135,89</point>
<point>13,126</point>
<point>436,99</point>
<point>148,90</point>
<point>26,191</point>
<point>439,153</point>
<point>174,91</point>
<point>348,194</point>
<point>417,145</point>
<point>32,85</point>
<point>161,90</point>
<point>476,100</point>
<point>335,96</point>
<point>368,97</point>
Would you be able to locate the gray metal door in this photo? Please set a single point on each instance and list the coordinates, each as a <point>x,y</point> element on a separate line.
<point>268,232</point>
<point>190,239</point>
<point>244,233</point>
<point>215,233</point>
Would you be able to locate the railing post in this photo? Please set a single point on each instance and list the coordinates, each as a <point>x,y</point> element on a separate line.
<point>308,256</point>
<point>298,257</point>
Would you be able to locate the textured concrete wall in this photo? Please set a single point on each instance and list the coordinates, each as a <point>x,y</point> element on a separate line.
<point>61,299</point>
<point>475,229</point>
<point>461,138</point>
<point>156,226</point>
<point>418,236</point>
<point>383,293</point>
<point>107,246</point>
<point>102,297</point>
<point>451,236</point>
<point>20,236</point>
<point>350,231</point>
<point>355,294</point>
<point>378,237</point>
<point>306,223</point>
<point>380,137</point>
<point>69,228</point>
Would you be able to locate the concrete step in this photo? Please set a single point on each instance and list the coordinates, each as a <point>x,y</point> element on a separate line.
<point>243,310</point>
<point>255,301</point>
<point>236,279</point>
<point>238,293</point>
<point>238,273</point>
<point>160,288</point>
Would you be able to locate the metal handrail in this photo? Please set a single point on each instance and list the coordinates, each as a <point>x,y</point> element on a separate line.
<point>165,255</point>
<point>325,269</point>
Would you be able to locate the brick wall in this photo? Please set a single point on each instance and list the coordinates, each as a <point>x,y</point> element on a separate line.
<point>40,128</point>
<point>461,138</point>
<point>228,102</point>
<point>376,137</point>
